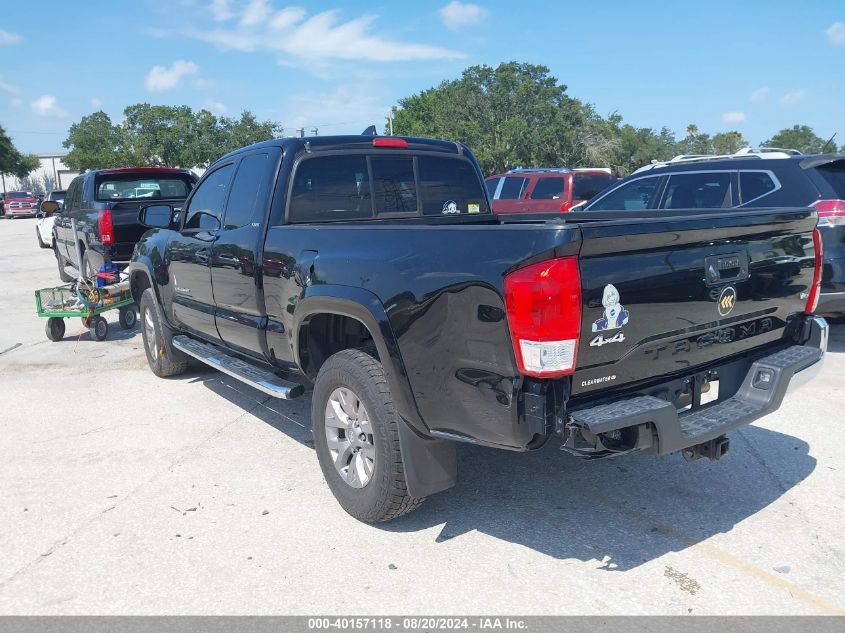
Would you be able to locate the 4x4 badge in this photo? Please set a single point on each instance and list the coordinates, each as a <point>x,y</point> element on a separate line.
<point>727,300</point>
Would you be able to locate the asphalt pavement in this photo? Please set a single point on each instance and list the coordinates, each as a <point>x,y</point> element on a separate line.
<point>122,493</point>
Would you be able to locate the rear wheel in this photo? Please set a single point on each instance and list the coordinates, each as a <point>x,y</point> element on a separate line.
<point>99,328</point>
<point>164,361</point>
<point>61,262</point>
<point>356,437</point>
<point>55,328</point>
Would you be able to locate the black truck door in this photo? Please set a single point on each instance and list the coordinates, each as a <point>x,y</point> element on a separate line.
<point>191,252</point>
<point>235,274</point>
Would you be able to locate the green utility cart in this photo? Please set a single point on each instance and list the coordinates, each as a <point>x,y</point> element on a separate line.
<point>88,302</point>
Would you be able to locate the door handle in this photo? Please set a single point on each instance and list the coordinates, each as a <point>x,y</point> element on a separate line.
<point>723,269</point>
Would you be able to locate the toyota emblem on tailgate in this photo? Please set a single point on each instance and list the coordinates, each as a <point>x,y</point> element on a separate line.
<point>727,300</point>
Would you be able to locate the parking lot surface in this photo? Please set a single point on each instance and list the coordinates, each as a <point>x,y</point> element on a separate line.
<point>126,494</point>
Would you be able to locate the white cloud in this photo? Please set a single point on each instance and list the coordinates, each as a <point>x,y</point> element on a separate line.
<point>256,12</point>
<point>315,39</point>
<point>457,14</point>
<point>349,108</point>
<point>220,10</point>
<point>46,105</point>
<point>96,103</point>
<point>8,88</point>
<point>836,33</point>
<point>160,78</point>
<point>759,95</point>
<point>791,98</point>
<point>7,38</point>
<point>215,107</point>
<point>733,117</point>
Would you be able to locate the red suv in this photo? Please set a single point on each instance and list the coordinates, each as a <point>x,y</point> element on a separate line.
<point>545,189</point>
<point>19,204</point>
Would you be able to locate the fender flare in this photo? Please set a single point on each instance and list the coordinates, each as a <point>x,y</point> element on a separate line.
<point>430,464</point>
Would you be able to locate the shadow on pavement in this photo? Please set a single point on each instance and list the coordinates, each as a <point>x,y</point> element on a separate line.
<point>621,513</point>
<point>836,343</point>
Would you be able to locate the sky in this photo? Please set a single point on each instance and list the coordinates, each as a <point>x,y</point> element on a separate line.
<point>755,66</point>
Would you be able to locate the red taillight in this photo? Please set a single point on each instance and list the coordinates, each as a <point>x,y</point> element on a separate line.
<point>106,227</point>
<point>831,212</point>
<point>543,303</point>
<point>566,206</point>
<point>390,142</point>
<point>813,298</point>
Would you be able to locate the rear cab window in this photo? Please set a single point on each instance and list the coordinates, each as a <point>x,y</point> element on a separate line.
<point>358,187</point>
<point>120,187</point>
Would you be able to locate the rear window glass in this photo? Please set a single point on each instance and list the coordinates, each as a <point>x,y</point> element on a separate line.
<point>631,196</point>
<point>548,189</point>
<point>586,186</point>
<point>149,187</point>
<point>512,188</point>
<point>698,191</point>
<point>331,188</point>
<point>834,174</point>
<point>754,184</point>
<point>58,196</point>
<point>450,186</point>
<point>394,185</point>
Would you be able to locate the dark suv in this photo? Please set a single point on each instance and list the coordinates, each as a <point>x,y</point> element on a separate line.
<point>750,178</point>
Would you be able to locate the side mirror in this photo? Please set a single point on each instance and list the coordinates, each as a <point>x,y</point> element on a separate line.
<point>208,225</point>
<point>49,207</point>
<point>156,216</point>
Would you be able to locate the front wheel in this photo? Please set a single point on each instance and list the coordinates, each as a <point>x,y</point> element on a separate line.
<point>127,318</point>
<point>356,437</point>
<point>98,327</point>
<point>55,328</point>
<point>61,263</point>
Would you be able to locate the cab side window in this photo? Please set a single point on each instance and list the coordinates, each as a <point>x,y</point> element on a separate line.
<point>249,191</point>
<point>73,195</point>
<point>207,201</point>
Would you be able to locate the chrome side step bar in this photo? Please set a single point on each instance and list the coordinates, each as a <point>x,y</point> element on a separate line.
<point>261,379</point>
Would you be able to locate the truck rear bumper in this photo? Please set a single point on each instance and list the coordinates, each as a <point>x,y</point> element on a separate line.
<point>636,421</point>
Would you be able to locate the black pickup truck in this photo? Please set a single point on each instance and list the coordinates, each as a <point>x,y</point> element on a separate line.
<point>105,203</point>
<point>372,269</point>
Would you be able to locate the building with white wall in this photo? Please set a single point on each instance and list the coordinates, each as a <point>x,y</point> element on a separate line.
<point>51,169</point>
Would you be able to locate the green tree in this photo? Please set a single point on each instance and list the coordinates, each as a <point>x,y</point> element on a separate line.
<point>237,133</point>
<point>512,115</point>
<point>800,137</point>
<point>166,136</point>
<point>12,161</point>
<point>728,142</point>
<point>94,143</point>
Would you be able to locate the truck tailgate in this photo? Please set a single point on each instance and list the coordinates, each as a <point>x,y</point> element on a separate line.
<point>127,229</point>
<point>665,296</point>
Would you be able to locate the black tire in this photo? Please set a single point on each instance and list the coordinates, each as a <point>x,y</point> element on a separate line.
<point>88,270</point>
<point>127,318</point>
<point>41,243</point>
<point>385,496</point>
<point>61,262</point>
<point>164,361</point>
<point>55,328</point>
<point>99,328</point>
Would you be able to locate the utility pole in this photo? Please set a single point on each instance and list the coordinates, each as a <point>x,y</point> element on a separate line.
<point>389,118</point>
<point>313,131</point>
<point>301,132</point>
